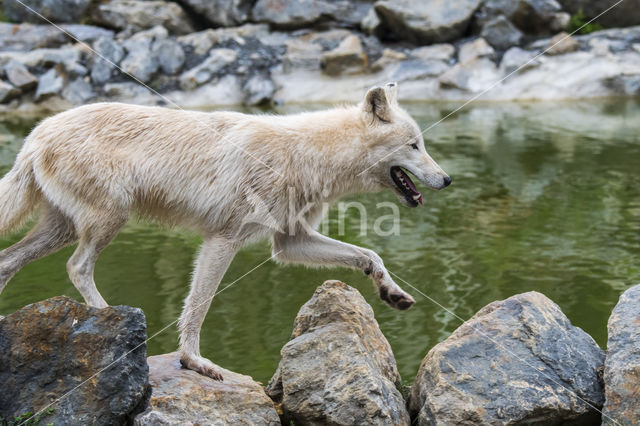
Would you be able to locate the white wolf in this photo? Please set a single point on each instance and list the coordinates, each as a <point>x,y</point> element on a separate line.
<point>88,169</point>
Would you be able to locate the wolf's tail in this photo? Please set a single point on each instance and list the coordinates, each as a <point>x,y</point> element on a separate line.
<point>18,195</point>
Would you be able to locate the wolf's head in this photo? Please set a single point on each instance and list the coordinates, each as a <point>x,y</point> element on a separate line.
<point>395,147</point>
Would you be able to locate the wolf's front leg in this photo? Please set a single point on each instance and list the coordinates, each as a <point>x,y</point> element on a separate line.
<point>215,256</point>
<point>317,249</point>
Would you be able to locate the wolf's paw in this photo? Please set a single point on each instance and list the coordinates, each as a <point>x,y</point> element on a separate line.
<point>200,365</point>
<point>396,298</point>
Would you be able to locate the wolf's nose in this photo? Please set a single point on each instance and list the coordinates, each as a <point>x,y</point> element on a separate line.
<point>447,181</point>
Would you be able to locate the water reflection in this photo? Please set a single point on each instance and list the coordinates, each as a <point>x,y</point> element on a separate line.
<point>546,197</point>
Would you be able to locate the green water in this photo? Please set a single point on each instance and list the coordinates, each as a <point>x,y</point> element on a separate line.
<point>545,197</point>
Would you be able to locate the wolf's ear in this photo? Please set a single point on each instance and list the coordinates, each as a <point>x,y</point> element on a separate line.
<point>392,92</point>
<point>376,105</point>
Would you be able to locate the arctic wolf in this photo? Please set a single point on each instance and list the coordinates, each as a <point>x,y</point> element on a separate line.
<point>233,177</point>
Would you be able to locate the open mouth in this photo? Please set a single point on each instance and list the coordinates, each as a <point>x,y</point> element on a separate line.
<point>405,186</point>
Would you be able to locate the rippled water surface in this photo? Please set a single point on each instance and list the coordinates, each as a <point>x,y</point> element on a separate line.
<point>546,197</point>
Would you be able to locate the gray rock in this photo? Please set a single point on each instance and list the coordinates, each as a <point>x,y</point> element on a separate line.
<point>19,76</point>
<point>501,33</point>
<point>423,22</point>
<point>7,92</point>
<point>50,83</point>
<point>223,13</point>
<point>517,361</point>
<point>43,57</point>
<point>53,10</point>
<point>479,48</point>
<point>136,15</point>
<point>292,14</point>
<point>531,16</point>
<point>74,342</point>
<point>301,54</point>
<point>139,62</point>
<point>200,42</point>
<point>78,91</point>
<point>109,54</point>
<point>259,90</point>
<point>202,73</point>
<point>389,57</point>
<point>87,33</point>
<point>625,14</point>
<point>347,58</point>
<point>371,24</point>
<point>25,37</point>
<point>443,52</point>
<point>622,365</point>
<point>338,368</point>
<point>170,55</point>
<point>418,69</point>
<point>185,397</point>
<point>517,58</point>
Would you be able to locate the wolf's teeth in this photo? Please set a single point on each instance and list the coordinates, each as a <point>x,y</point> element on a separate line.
<point>416,197</point>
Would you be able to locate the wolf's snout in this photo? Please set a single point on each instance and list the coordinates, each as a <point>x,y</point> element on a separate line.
<point>447,181</point>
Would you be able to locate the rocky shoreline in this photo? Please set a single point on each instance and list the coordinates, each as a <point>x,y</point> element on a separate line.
<point>199,54</point>
<point>517,361</point>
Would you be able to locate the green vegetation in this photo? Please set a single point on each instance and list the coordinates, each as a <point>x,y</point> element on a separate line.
<point>27,419</point>
<point>579,22</point>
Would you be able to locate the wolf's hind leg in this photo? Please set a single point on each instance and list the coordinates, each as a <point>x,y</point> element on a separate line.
<point>53,232</point>
<point>215,257</point>
<point>93,239</point>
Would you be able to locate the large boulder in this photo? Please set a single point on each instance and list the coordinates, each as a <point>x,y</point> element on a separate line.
<point>517,361</point>
<point>25,37</point>
<point>137,15</point>
<point>181,396</point>
<point>348,57</point>
<point>290,14</point>
<point>338,368</point>
<point>89,362</point>
<point>531,16</point>
<point>622,365</point>
<point>425,22</point>
<point>53,10</point>
<point>608,13</point>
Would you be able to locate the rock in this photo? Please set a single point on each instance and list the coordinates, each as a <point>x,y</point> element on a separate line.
<point>259,90</point>
<point>43,57</point>
<point>50,84</point>
<point>423,22</point>
<point>170,55</point>
<point>389,57</point>
<point>474,76</point>
<point>222,13</point>
<point>501,33</point>
<point>516,58</point>
<point>479,48</point>
<point>139,62</point>
<point>200,42</point>
<point>418,69</point>
<point>291,14</point>
<point>348,57</point>
<point>531,16</point>
<point>7,92</point>
<point>87,33</point>
<point>372,25</point>
<point>562,43</point>
<point>200,74</point>
<point>622,365</point>
<point>109,54</point>
<point>443,52</point>
<point>338,368</point>
<point>26,37</point>
<point>49,348</point>
<point>183,396</point>
<point>53,10</point>
<point>301,54</point>
<point>517,361</point>
<point>78,91</point>
<point>19,76</point>
<point>624,14</point>
<point>136,15</point>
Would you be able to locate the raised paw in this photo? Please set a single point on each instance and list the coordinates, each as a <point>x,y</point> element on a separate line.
<point>200,365</point>
<point>396,298</point>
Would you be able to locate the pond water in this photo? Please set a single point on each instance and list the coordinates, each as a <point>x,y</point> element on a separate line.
<point>545,197</point>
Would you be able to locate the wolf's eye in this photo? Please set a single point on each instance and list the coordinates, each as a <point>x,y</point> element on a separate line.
<point>414,145</point>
